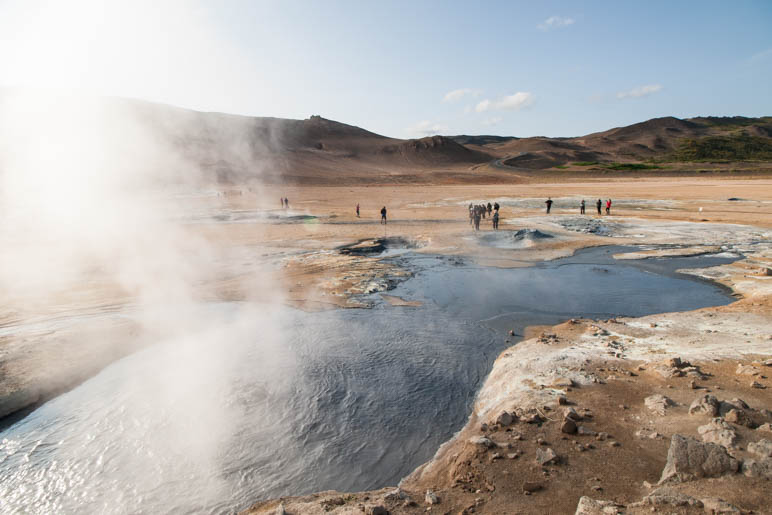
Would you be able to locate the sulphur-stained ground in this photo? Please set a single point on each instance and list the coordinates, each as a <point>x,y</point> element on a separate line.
<point>588,416</point>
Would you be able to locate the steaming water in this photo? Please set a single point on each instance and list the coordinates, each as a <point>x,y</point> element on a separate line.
<point>352,399</point>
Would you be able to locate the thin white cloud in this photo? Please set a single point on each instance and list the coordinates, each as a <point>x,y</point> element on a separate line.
<point>760,56</point>
<point>556,22</point>
<point>640,91</point>
<point>426,128</point>
<point>514,102</point>
<point>458,94</point>
<point>492,121</point>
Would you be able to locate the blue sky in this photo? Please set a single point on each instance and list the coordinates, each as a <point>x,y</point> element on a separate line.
<point>406,69</point>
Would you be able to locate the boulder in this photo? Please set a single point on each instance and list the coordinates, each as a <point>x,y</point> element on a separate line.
<point>689,459</point>
<point>706,403</point>
<point>719,432</point>
<point>588,506</point>
<point>482,441</point>
<point>546,456</point>
<point>505,419</point>
<point>758,468</point>
<point>762,448</point>
<point>431,498</point>
<point>747,370</point>
<point>765,427</point>
<point>716,506</point>
<point>396,495</point>
<point>658,403</point>
<point>570,413</point>
<point>377,510</point>
<point>568,426</point>
<point>739,417</point>
<point>668,497</point>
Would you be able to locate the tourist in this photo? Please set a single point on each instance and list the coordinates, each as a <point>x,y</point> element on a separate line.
<point>496,221</point>
<point>471,214</point>
<point>495,206</point>
<point>383,215</point>
<point>477,215</point>
<point>357,209</point>
<point>549,204</point>
<point>581,207</point>
<point>598,204</point>
<point>608,207</point>
<point>490,208</point>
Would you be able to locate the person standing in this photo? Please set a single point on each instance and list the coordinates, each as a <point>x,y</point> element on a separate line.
<point>477,215</point>
<point>598,204</point>
<point>357,209</point>
<point>495,206</point>
<point>490,208</point>
<point>549,204</point>
<point>581,207</point>
<point>608,207</point>
<point>383,215</point>
<point>496,220</point>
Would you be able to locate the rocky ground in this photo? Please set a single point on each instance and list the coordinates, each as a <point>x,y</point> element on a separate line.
<point>588,417</point>
<point>667,413</point>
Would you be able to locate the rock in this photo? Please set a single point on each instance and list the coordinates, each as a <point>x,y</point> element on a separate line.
<point>758,468</point>
<point>689,459</point>
<point>675,363</point>
<point>546,456</point>
<point>739,417</point>
<point>562,400</point>
<point>719,432</point>
<point>505,419</point>
<point>280,510</point>
<point>482,441</point>
<point>568,426</point>
<point>571,414</point>
<point>716,506</point>
<point>747,370</point>
<point>601,436</point>
<point>514,455</point>
<point>530,487</point>
<point>668,497</point>
<point>765,427</point>
<point>614,444</point>
<point>533,418</point>
<point>707,404</point>
<point>589,506</point>
<point>484,427</point>
<point>396,495</point>
<point>658,403</point>
<point>495,456</point>
<point>563,382</point>
<point>756,384</point>
<point>584,431</point>
<point>431,498</point>
<point>647,433</point>
<point>377,510</point>
<point>762,448</point>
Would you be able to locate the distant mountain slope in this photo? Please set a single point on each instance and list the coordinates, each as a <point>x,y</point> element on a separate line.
<point>666,139</point>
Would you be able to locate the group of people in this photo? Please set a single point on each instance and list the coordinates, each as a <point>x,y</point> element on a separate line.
<point>598,205</point>
<point>284,202</point>
<point>478,212</point>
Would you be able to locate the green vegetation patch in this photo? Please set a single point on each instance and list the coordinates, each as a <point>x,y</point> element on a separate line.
<point>740,147</point>
<point>586,163</point>
<point>562,167</point>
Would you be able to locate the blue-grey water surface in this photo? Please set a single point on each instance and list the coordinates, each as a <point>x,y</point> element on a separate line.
<point>265,405</point>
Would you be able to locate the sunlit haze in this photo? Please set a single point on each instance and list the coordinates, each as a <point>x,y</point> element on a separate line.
<point>405,69</point>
